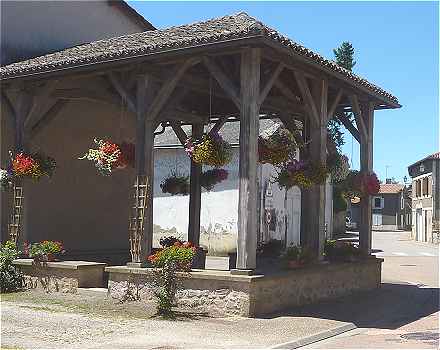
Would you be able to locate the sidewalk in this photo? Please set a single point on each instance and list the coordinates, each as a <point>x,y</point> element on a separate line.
<point>29,320</point>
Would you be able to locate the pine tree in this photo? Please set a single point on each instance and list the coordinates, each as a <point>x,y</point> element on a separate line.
<point>345,55</point>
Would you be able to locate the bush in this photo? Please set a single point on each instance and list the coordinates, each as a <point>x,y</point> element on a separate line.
<point>340,251</point>
<point>302,255</point>
<point>168,261</point>
<point>11,279</point>
<point>271,248</point>
<point>45,250</point>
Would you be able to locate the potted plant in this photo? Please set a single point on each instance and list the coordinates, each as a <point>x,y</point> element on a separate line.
<point>303,174</point>
<point>31,165</point>
<point>277,147</point>
<point>297,256</point>
<point>340,251</point>
<point>199,258</point>
<point>110,156</point>
<point>44,251</point>
<point>175,185</point>
<point>212,177</point>
<point>210,150</point>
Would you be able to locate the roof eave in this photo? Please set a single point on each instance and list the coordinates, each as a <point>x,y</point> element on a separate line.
<point>390,104</point>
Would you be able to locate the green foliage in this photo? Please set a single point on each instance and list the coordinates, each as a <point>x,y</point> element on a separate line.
<point>271,248</point>
<point>11,278</point>
<point>335,133</point>
<point>344,55</point>
<point>339,201</point>
<point>168,262</point>
<point>340,251</point>
<point>45,250</point>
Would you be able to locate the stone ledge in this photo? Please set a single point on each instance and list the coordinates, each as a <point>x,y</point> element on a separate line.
<point>62,276</point>
<point>70,265</point>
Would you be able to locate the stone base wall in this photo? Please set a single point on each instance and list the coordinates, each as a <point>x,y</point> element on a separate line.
<point>218,293</point>
<point>63,276</point>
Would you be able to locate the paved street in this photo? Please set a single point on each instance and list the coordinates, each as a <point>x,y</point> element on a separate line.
<point>404,313</point>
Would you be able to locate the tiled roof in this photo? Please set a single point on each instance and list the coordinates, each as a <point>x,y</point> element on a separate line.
<point>431,156</point>
<point>390,188</point>
<point>230,133</point>
<point>227,28</point>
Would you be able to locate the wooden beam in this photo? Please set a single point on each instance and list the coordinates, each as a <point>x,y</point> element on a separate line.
<point>180,133</point>
<point>8,107</point>
<point>249,121</point>
<point>270,82</point>
<point>332,109</point>
<point>24,104</point>
<point>195,194</point>
<point>86,95</point>
<point>122,91</point>
<point>218,125</point>
<point>307,96</point>
<point>366,162</point>
<point>286,91</point>
<point>41,96</point>
<point>358,115</point>
<point>47,118</point>
<point>226,84</point>
<point>348,125</point>
<point>168,87</point>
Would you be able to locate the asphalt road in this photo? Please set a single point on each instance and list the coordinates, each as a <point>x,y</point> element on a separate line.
<point>404,312</point>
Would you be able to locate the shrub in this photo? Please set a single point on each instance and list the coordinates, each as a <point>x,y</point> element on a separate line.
<point>271,248</point>
<point>340,251</point>
<point>168,262</point>
<point>302,255</point>
<point>11,279</point>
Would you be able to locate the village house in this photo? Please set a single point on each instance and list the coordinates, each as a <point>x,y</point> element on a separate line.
<point>137,87</point>
<point>386,206</point>
<point>425,175</point>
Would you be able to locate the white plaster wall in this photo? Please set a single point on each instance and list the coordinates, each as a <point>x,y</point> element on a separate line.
<point>219,209</point>
<point>33,28</point>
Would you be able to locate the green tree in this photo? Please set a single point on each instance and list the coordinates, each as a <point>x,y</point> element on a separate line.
<point>344,55</point>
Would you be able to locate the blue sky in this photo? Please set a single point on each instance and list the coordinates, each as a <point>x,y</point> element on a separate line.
<point>396,47</point>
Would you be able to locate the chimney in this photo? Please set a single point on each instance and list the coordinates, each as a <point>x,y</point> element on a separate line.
<point>388,181</point>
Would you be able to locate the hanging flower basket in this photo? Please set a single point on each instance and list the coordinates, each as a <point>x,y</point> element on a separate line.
<point>34,166</point>
<point>302,174</point>
<point>175,185</point>
<point>6,179</point>
<point>339,167</point>
<point>210,150</point>
<point>110,156</point>
<point>357,184</point>
<point>277,147</point>
<point>212,177</point>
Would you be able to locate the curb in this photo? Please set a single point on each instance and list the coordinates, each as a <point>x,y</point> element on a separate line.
<point>315,337</point>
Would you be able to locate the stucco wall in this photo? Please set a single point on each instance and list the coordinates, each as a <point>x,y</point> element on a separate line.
<point>33,28</point>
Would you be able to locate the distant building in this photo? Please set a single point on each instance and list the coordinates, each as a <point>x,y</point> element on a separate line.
<point>425,175</point>
<point>386,207</point>
<point>404,218</point>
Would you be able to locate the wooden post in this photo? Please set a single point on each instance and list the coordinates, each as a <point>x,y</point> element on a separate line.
<point>249,125</point>
<point>144,159</point>
<point>366,160</point>
<point>195,194</point>
<point>314,210</point>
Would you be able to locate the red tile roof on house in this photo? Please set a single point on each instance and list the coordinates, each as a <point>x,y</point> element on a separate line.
<point>390,188</point>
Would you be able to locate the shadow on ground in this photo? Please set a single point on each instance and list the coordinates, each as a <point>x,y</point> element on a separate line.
<point>389,307</point>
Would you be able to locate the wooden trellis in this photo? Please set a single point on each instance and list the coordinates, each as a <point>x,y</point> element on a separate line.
<point>137,217</point>
<point>17,213</point>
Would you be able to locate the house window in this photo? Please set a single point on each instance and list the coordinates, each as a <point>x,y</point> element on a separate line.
<point>402,202</point>
<point>425,186</point>
<point>378,203</point>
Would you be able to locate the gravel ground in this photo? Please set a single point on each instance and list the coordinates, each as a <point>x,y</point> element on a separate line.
<point>37,320</point>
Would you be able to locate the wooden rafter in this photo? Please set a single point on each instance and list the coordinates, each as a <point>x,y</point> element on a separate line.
<point>9,108</point>
<point>40,99</point>
<point>86,95</point>
<point>332,109</point>
<point>286,91</point>
<point>120,87</point>
<point>307,96</point>
<point>180,133</point>
<point>168,87</point>
<point>47,118</point>
<point>348,125</point>
<point>274,76</point>
<point>358,115</point>
<point>218,125</point>
<point>226,84</point>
